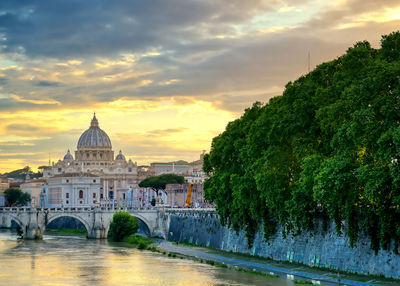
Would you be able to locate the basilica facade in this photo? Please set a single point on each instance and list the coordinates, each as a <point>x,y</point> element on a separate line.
<point>95,156</point>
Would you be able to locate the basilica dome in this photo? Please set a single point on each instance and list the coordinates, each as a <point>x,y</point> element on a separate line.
<point>94,136</point>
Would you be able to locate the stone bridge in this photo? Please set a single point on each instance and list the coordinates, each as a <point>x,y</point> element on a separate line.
<point>97,220</point>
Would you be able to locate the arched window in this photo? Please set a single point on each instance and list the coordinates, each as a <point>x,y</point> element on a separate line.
<point>81,194</point>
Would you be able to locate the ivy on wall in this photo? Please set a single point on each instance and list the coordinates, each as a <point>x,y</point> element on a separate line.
<point>328,148</point>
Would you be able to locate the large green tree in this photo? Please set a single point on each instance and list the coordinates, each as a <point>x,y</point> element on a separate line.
<point>327,149</point>
<point>15,197</point>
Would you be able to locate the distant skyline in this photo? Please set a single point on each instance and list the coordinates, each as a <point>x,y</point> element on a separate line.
<point>165,76</point>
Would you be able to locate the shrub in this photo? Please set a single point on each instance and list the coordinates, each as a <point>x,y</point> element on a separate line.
<point>211,262</point>
<point>298,281</point>
<point>122,225</point>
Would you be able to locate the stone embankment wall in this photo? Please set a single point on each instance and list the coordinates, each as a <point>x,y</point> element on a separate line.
<point>321,248</point>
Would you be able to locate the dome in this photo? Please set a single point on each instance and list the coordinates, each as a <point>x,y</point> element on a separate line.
<point>120,156</point>
<point>68,156</point>
<point>94,136</point>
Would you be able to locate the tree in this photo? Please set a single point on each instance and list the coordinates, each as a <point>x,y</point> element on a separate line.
<point>158,183</point>
<point>15,197</point>
<point>122,225</point>
<point>328,148</point>
<point>21,173</point>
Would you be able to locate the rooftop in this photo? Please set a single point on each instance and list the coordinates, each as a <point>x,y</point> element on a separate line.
<point>70,175</point>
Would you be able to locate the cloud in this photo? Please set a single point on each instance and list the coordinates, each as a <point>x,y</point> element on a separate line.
<point>165,132</point>
<point>351,11</point>
<point>164,76</point>
<point>22,127</point>
<point>98,27</point>
<point>45,83</point>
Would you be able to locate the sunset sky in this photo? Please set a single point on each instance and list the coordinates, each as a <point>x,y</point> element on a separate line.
<point>165,76</point>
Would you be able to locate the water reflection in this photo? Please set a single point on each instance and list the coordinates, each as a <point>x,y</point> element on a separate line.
<point>62,260</point>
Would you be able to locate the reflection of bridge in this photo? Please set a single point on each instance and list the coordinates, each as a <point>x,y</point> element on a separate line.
<point>97,220</point>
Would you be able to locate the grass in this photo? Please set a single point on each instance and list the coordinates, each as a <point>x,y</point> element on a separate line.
<point>153,249</point>
<point>256,272</point>
<point>67,231</point>
<point>298,281</point>
<point>139,242</point>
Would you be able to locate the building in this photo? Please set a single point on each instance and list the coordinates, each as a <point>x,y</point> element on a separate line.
<point>4,185</point>
<point>196,167</point>
<point>196,179</point>
<point>177,194</point>
<point>178,167</point>
<point>71,189</point>
<point>33,188</point>
<point>94,155</point>
<point>191,170</point>
<point>117,177</point>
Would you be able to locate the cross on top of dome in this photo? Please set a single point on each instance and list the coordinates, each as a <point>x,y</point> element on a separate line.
<point>94,122</point>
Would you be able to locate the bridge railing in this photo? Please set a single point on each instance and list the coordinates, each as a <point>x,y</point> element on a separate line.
<point>71,209</point>
<point>94,208</point>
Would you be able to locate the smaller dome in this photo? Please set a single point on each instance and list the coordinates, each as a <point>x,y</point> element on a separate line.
<point>68,156</point>
<point>120,156</point>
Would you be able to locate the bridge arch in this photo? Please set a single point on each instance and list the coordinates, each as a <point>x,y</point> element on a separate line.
<point>139,217</point>
<point>75,216</point>
<point>18,221</point>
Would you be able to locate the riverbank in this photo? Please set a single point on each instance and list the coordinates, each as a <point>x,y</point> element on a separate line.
<point>322,247</point>
<point>137,241</point>
<point>252,263</point>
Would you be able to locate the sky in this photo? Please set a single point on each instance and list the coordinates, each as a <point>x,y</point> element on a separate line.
<point>163,76</point>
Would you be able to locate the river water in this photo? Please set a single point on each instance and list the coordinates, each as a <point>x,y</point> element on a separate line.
<point>72,260</point>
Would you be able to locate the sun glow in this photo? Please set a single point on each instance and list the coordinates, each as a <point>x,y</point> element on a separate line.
<point>382,16</point>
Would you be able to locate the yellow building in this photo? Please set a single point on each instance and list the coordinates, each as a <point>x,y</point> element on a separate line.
<point>4,185</point>
<point>33,188</point>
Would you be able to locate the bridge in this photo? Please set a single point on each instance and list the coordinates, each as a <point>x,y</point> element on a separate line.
<point>33,221</point>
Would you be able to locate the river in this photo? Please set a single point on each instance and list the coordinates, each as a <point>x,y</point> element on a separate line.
<point>74,260</point>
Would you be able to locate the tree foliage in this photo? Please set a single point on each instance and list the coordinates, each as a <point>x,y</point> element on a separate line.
<point>122,225</point>
<point>158,183</point>
<point>328,148</point>
<point>15,197</point>
<point>21,173</point>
